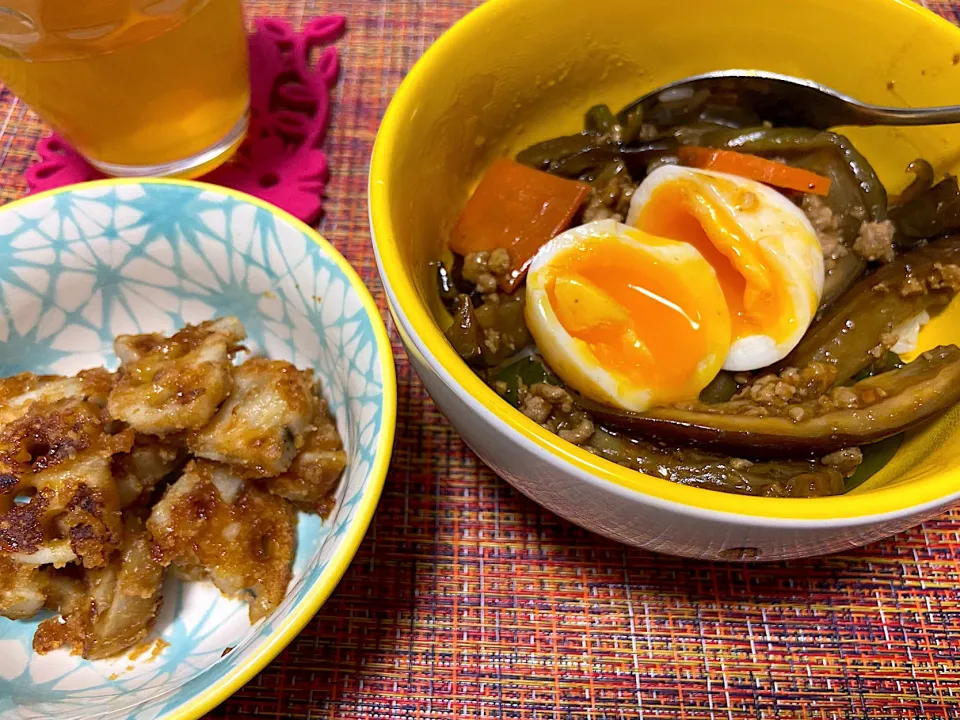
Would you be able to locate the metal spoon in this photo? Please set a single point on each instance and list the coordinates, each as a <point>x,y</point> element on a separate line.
<point>790,101</point>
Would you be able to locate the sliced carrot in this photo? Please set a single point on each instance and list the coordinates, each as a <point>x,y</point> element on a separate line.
<point>755,168</point>
<point>518,209</point>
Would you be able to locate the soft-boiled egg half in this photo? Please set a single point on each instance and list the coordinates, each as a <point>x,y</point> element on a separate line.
<point>763,248</point>
<point>625,317</point>
<point>711,271</point>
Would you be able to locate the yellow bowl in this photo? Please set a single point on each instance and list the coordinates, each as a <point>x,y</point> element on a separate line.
<point>517,71</point>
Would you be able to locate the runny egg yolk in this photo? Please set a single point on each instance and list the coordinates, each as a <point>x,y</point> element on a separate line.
<point>755,295</point>
<point>627,318</point>
<point>666,348</point>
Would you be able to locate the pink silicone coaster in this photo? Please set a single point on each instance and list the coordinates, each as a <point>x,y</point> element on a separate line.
<point>281,160</point>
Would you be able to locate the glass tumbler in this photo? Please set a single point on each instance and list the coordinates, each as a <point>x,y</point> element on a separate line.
<point>139,87</point>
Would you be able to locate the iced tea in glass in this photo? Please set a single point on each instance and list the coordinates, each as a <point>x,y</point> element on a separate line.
<point>139,87</point>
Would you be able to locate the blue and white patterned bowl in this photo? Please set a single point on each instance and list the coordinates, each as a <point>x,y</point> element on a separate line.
<point>83,264</point>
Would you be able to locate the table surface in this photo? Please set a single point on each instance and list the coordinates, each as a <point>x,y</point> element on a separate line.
<point>468,600</point>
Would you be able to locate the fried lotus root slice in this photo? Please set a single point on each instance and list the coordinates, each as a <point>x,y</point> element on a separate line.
<point>23,589</point>
<point>211,524</point>
<point>56,458</point>
<point>167,385</point>
<point>110,609</point>
<point>19,392</point>
<point>262,425</point>
<point>313,477</point>
<point>150,460</point>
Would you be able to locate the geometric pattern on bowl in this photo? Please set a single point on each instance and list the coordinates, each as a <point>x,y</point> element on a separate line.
<point>81,265</point>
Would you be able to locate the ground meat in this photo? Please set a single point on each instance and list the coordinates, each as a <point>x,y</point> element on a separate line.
<point>846,460</point>
<point>579,433</point>
<point>827,227</point>
<point>486,284</point>
<point>792,385</point>
<point>536,408</point>
<point>911,286</point>
<point>609,198</point>
<point>887,341</point>
<point>486,268</point>
<point>844,397</point>
<point>491,341</point>
<point>944,276</point>
<point>475,265</point>
<point>596,210</point>
<point>875,241</point>
<point>819,214</point>
<point>796,394</point>
<point>553,408</point>
<point>499,262</point>
<point>770,390</point>
<point>554,395</point>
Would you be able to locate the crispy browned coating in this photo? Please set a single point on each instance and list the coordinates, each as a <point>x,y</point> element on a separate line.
<point>149,461</point>
<point>212,523</point>
<point>60,451</point>
<point>166,385</point>
<point>110,609</point>
<point>312,478</point>
<point>263,423</point>
<point>19,392</point>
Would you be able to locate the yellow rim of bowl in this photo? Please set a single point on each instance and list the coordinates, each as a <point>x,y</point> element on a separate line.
<point>304,611</point>
<point>895,501</point>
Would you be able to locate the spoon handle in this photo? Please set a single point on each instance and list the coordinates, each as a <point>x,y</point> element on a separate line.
<point>878,115</point>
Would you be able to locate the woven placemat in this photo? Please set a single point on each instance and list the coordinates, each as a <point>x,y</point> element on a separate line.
<point>468,601</point>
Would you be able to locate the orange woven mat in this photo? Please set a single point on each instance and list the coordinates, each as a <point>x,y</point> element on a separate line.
<point>468,601</point>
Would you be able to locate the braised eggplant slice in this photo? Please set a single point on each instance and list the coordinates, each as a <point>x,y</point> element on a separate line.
<point>546,154</point>
<point>867,412</point>
<point>599,120</point>
<point>849,335</point>
<point>840,278</point>
<point>591,158</point>
<point>687,466</point>
<point>923,175</point>
<point>929,214</point>
<point>464,334</point>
